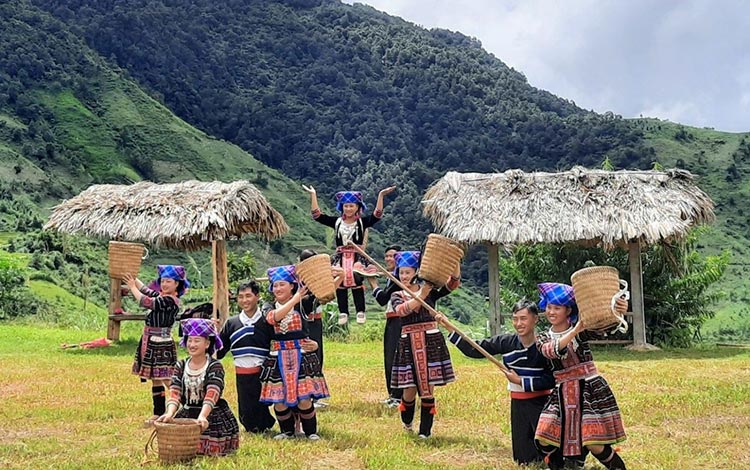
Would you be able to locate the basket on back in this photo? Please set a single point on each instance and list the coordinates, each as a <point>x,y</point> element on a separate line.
<point>178,441</point>
<point>315,273</point>
<point>125,258</point>
<point>596,290</point>
<point>440,258</point>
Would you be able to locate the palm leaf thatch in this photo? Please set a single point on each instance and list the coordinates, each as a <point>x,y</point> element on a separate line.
<point>605,208</point>
<point>187,215</point>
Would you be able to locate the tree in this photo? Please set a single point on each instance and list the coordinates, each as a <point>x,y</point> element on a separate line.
<point>677,281</point>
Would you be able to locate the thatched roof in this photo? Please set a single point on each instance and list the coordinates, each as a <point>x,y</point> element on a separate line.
<point>187,215</point>
<point>601,207</point>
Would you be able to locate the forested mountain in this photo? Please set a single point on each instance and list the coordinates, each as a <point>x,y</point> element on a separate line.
<point>68,119</point>
<point>344,96</point>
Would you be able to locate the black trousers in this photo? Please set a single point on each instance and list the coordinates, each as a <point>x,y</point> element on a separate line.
<point>342,299</point>
<point>254,416</point>
<point>315,331</point>
<point>524,416</point>
<point>391,336</point>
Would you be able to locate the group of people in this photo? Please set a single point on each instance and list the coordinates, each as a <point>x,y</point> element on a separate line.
<point>561,408</point>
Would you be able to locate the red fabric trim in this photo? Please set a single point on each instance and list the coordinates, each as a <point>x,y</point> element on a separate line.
<point>247,370</point>
<point>571,392</point>
<point>418,327</point>
<point>581,371</point>
<point>419,352</point>
<point>527,395</point>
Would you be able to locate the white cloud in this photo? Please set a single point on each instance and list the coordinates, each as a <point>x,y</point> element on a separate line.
<point>686,59</point>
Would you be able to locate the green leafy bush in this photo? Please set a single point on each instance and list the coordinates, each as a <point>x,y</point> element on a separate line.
<point>676,282</point>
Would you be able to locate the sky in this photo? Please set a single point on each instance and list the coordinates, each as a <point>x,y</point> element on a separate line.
<point>686,61</point>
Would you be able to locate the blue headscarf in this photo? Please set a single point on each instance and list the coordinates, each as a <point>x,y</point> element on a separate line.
<point>349,197</point>
<point>170,271</point>
<point>407,259</point>
<point>281,273</point>
<point>554,293</point>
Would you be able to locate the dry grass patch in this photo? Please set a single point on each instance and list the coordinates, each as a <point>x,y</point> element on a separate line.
<point>83,409</point>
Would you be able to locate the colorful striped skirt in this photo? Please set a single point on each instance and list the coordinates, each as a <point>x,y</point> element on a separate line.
<point>222,436</point>
<point>422,359</point>
<point>591,416</point>
<point>155,359</point>
<point>289,375</point>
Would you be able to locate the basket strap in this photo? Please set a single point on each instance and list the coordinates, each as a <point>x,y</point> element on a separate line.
<point>623,292</point>
<point>149,447</point>
<point>145,253</point>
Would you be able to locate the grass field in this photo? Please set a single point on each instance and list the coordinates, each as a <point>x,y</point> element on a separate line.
<point>82,409</point>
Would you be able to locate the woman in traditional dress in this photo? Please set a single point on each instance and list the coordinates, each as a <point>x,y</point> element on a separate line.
<point>422,360</point>
<point>291,377</point>
<point>196,389</point>
<point>582,413</point>
<point>351,225</point>
<point>156,355</point>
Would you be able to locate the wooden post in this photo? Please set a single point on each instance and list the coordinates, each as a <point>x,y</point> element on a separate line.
<point>221,280</point>
<point>115,303</point>
<point>496,316</point>
<point>636,295</point>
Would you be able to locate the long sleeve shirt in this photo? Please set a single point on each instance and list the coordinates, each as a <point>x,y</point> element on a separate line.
<point>533,368</point>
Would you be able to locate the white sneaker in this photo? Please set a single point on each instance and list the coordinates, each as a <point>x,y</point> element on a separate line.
<point>394,403</point>
<point>343,319</point>
<point>409,427</point>
<point>281,436</point>
<point>313,437</point>
<point>424,436</point>
<point>361,318</point>
<point>320,404</point>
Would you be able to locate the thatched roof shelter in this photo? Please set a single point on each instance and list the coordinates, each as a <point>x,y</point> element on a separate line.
<point>580,205</point>
<point>603,208</point>
<point>186,216</point>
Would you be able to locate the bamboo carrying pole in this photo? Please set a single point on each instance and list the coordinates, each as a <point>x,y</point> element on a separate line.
<point>444,321</point>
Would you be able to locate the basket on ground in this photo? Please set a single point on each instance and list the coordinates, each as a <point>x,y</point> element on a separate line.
<point>596,289</point>
<point>315,273</point>
<point>440,259</point>
<point>125,258</point>
<point>178,441</point>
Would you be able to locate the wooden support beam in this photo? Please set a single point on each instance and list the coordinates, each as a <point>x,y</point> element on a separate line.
<point>496,315</point>
<point>221,280</point>
<point>115,303</point>
<point>636,294</point>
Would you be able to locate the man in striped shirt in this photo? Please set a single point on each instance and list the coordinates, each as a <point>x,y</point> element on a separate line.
<point>530,379</point>
<point>248,337</point>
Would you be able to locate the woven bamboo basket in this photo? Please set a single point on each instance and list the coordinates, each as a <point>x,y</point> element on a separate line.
<point>596,289</point>
<point>125,258</point>
<point>440,258</point>
<point>315,273</point>
<point>178,441</point>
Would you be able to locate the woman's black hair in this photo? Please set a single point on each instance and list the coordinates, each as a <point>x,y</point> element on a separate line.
<point>211,345</point>
<point>307,253</point>
<point>392,247</point>
<point>252,285</point>
<point>524,303</point>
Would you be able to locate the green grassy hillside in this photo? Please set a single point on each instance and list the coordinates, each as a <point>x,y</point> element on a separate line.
<point>69,120</point>
<point>721,162</point>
